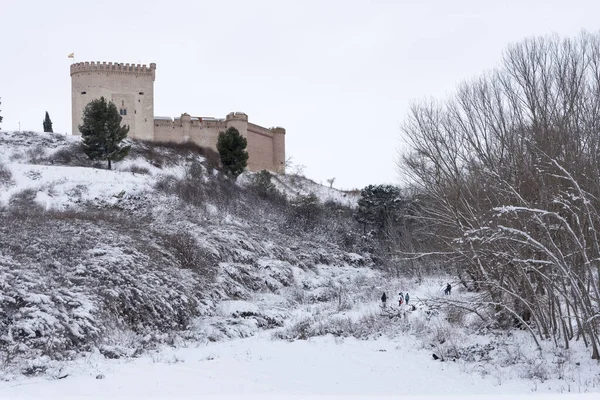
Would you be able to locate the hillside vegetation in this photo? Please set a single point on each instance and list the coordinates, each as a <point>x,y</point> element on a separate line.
<point>166,250</point>
<point>153,251</point>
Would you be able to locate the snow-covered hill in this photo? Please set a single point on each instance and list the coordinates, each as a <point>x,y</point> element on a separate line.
<point>98,266</point>
<point>161,247</point>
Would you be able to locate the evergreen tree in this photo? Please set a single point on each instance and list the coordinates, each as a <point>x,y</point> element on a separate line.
<point>47,123</point>
<point>232,149</point>
<point>378,206</point>
<point>102,132</point>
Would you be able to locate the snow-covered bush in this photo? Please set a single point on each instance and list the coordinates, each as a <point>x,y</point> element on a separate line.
<point>24,201</point>
<point>5,175</point>
<point>366,326</point>
<point>191,256</point>
<point>83,276</point>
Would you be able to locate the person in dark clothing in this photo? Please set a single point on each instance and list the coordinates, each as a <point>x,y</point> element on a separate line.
<point>406,298</point>
<point>383,299</point>
<point>448,289</point>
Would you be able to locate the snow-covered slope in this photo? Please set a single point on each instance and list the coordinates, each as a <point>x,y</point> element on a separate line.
<point>160,246</point>
<point>98,267</point>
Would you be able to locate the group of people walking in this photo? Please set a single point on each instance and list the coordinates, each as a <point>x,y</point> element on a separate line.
<point>402,299</point>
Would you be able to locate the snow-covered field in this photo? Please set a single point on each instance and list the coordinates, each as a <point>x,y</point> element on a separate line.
<point>258,366</point>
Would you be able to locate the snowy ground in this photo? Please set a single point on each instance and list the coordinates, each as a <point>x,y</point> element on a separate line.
<point>311,290</point>
<point>260,367</point>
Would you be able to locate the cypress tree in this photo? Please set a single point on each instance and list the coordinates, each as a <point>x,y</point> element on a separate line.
<point>47,123</point>
<point>102,132</point>
<point>232,149</point>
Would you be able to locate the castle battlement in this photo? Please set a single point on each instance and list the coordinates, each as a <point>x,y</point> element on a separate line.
<point>110,67</point>
<point>238,115</point>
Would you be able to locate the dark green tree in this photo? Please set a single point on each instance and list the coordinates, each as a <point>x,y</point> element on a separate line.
<point>47,123</point>
<point>378,206</point>
<point>102,132</point>
<point>232,149</point>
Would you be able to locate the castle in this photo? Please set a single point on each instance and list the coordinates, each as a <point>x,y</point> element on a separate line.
<point>131,88</point>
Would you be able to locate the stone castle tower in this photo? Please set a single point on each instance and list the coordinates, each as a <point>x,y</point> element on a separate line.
<point>131,88</point>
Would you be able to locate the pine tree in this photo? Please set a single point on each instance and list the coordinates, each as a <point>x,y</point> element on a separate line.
<point>232,149</point>
<point>47,123</point>
<point>102,132</point>
<point>378,206</point>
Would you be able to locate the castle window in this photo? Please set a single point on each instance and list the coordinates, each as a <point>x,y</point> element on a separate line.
<point>125,111</point>
<point>123,102</point>
<point>141,93</point>
<point>83,92</point>
<point>135,111</point>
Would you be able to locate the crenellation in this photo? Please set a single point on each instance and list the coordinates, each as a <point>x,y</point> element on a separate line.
<point>96,66</point>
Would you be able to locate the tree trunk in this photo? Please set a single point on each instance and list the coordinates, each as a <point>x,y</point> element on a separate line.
<point>109,164</point>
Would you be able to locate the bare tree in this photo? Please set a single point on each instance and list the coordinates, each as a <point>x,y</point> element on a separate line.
<point>330,181</point>
<point>507,170</point>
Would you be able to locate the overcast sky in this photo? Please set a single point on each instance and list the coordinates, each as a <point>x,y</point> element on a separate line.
<point>337,74</point>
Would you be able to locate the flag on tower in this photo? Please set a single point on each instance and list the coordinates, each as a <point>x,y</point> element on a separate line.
<point>72,55</point>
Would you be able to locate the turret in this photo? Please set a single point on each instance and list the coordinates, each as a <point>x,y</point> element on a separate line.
<point>186,122</point>
<point>279,149</point>
<point>239,121</point>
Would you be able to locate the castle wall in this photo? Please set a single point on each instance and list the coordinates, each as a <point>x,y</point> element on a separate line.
<point>265,146</point>
<point>260,148</point>
<point>203,132</point>
<point>130,87</point>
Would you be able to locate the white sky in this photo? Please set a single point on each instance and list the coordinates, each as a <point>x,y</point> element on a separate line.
<point>337,74</point>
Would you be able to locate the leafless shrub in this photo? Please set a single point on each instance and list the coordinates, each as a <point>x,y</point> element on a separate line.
<point>36,154</point>
<point>24,201</point>
<point>5,175</point>
<point>193,257</point>
<point>72,155</point>
<point>136,169</point>
<point>455,315</point>
<point>166,184</point>
<point>367,326</point>
<point>152,152</point>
